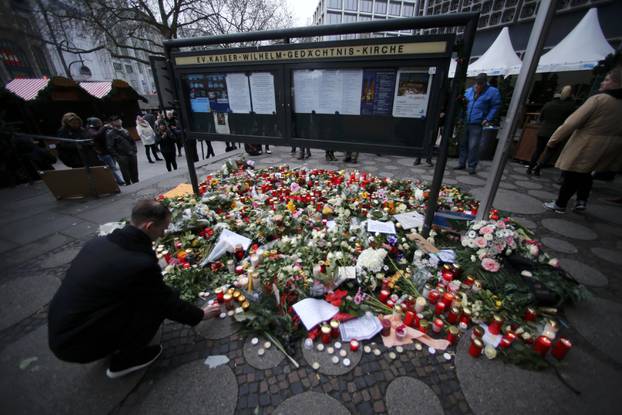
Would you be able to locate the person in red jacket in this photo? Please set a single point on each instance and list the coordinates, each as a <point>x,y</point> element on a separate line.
<point>113,298</point>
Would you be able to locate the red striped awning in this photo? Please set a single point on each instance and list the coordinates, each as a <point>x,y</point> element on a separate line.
<point>27,89</point>
<point>97,89</point>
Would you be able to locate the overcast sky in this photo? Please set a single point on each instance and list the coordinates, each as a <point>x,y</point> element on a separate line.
<point>303,11</point>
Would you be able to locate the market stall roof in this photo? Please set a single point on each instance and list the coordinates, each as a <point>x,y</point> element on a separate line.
<point>580,50</point>
<point>97,89</point>
<point>499,59</point>
<point>26,88</point>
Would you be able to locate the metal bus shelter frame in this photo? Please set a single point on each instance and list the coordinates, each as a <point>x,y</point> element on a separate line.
<point>466,20</point>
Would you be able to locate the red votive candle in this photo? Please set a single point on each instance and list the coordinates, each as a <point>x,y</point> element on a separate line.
<point>386,327</point>
<point>167,256</point>
<point>510,336</point>
<point>334,328</point>
<point>452,334</point>
<point>326,334</point>
<point>477,332</point>
<point>239,270</point>
<point>423,326</point>
<point>505,343</point>
<point>465,318</point>
<point>354,345</point>
<point>452,316</point>
<point>228,300</point>
<point>468,281</point>
<point>384,295</point>
<point>530,314</point>
<point>409,319</point>
<point>475,349</point>
<point>390,303</point>
<point>542,345</point>
<point>447,299</point>
<point>495,325</point>
<point>561,348</point>
<point>439,308</point>
<point>437,325</point>
<point>433,296</point>
<point>220,294</point>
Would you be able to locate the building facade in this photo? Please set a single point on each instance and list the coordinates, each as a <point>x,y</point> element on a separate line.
<point>349,11</point>
<point>24,54</point>
<point>518,15</point>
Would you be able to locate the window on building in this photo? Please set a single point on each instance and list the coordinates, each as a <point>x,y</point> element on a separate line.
<point>381,7</point>
<point>349,4</point>
<point>334,4</point>
<point>366,6</point>
<point>349,18</point>
<point>394,8</point>
<point>408,10</point>
<point>363,18</point>
<point>117,67</point>
<point>129,69</point>
<point>334,18</point>
<point>15,60</point>
<point>140,68</point>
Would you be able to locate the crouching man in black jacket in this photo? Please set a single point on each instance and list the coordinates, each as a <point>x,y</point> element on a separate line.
<point>113,299</point>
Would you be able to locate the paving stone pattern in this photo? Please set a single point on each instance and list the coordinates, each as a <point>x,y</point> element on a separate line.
<point>34,381</point>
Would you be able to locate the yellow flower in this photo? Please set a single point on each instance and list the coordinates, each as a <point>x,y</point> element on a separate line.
<point>291,206</point>
<point>498,304</point>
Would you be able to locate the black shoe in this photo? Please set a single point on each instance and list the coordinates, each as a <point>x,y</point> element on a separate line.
<point>151,162</point>
<point>158,159</point>
<point>429,163</point>
<point>121,366</point>
<point>472,172</point>
<point>580,206</point>
<point>417,162</point>
<point>529,171</point>
<point>536,172</point>
<point>460,168</point>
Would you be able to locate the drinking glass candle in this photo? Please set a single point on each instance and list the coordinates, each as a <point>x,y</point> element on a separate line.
<point>334,328</point>
<point>542,345</point>
<point>495,325</point>
<point>453,315</point>
<point>437,325</point>
<point>386,327</point>
<point>409,318</point>
<point>433,296</point>
<point>384,295</point>
<point>419,304</point>
<point>326,334</point>
<point>475,349</point>
<point>561,348</point>
<point>354,345</point>
<point>452,334</point>
<point>439,308</point>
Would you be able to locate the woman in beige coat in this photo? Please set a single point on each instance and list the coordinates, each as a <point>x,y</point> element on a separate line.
<point>594,134</point>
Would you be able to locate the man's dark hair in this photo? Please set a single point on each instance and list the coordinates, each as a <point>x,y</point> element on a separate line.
<point>149,210</point>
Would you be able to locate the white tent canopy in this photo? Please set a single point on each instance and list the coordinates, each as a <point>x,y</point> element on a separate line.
<point>499,59</point>
<point>580,50</point>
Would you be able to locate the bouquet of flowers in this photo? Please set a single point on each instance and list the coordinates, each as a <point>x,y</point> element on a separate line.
<point>490,240</point>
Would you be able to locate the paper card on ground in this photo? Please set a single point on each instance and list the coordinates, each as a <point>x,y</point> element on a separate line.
<point>381,227</point>
<point>489,338</point>
<point>410,220</point>
<point>313,311</point>
<point>227,241</point>
<point>344,274</point>
<point>361,328</point>
<point>446,255</point>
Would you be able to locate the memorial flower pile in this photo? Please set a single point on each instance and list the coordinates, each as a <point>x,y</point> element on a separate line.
<point>260,241</point>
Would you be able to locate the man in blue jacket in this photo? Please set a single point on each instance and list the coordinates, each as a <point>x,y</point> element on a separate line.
<point>483,104</point>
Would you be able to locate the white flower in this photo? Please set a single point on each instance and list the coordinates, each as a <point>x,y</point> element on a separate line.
<point>371,259</point>
<point>472,234</point>
<point>488,237</point>
<point>533,250</point>
<point>473,258</point>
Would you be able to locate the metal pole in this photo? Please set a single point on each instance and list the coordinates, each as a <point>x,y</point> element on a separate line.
<point>191,170</point>
<point>539,31</point>
<point>441,161</point>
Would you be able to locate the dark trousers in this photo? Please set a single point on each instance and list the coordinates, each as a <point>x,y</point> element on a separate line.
<point>540,146</point>
<point>169,158</point>
<point>129,168</point>
<point>210,149</point>
<point>574,182</point>
<point>98,342</point>
<point>152,148</point>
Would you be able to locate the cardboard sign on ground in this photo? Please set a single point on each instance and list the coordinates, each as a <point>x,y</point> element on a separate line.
<point>76,183</point>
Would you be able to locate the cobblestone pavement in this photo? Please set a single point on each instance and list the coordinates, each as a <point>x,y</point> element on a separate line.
<point>39,236</point>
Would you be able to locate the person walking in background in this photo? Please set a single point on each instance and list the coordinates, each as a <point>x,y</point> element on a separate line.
<point>167,146</point>
<point>69,153</point>
<point>97,132</point>
<point>172,125</point>
<point>594,134</point>
<point>552,116</point>
<point>148,137</point>
<point>123,149</point>
<point>483,102</point>
<point>351,157</point>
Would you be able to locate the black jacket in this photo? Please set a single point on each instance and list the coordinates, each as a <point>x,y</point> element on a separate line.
<point>167,142</point>
<point>69,154</point>
<point>553,114</point>
<point>119,143</point>
<point>109,280</point>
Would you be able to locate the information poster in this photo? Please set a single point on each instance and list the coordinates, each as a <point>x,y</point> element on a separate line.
<point>221,123</point>
<point>412,93</point>
<point>262,93</point>
<point>377,92</point>
<point>328,91</point>
<point>306,95</point>
<point>239,93</point>
<point>199,104</point>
